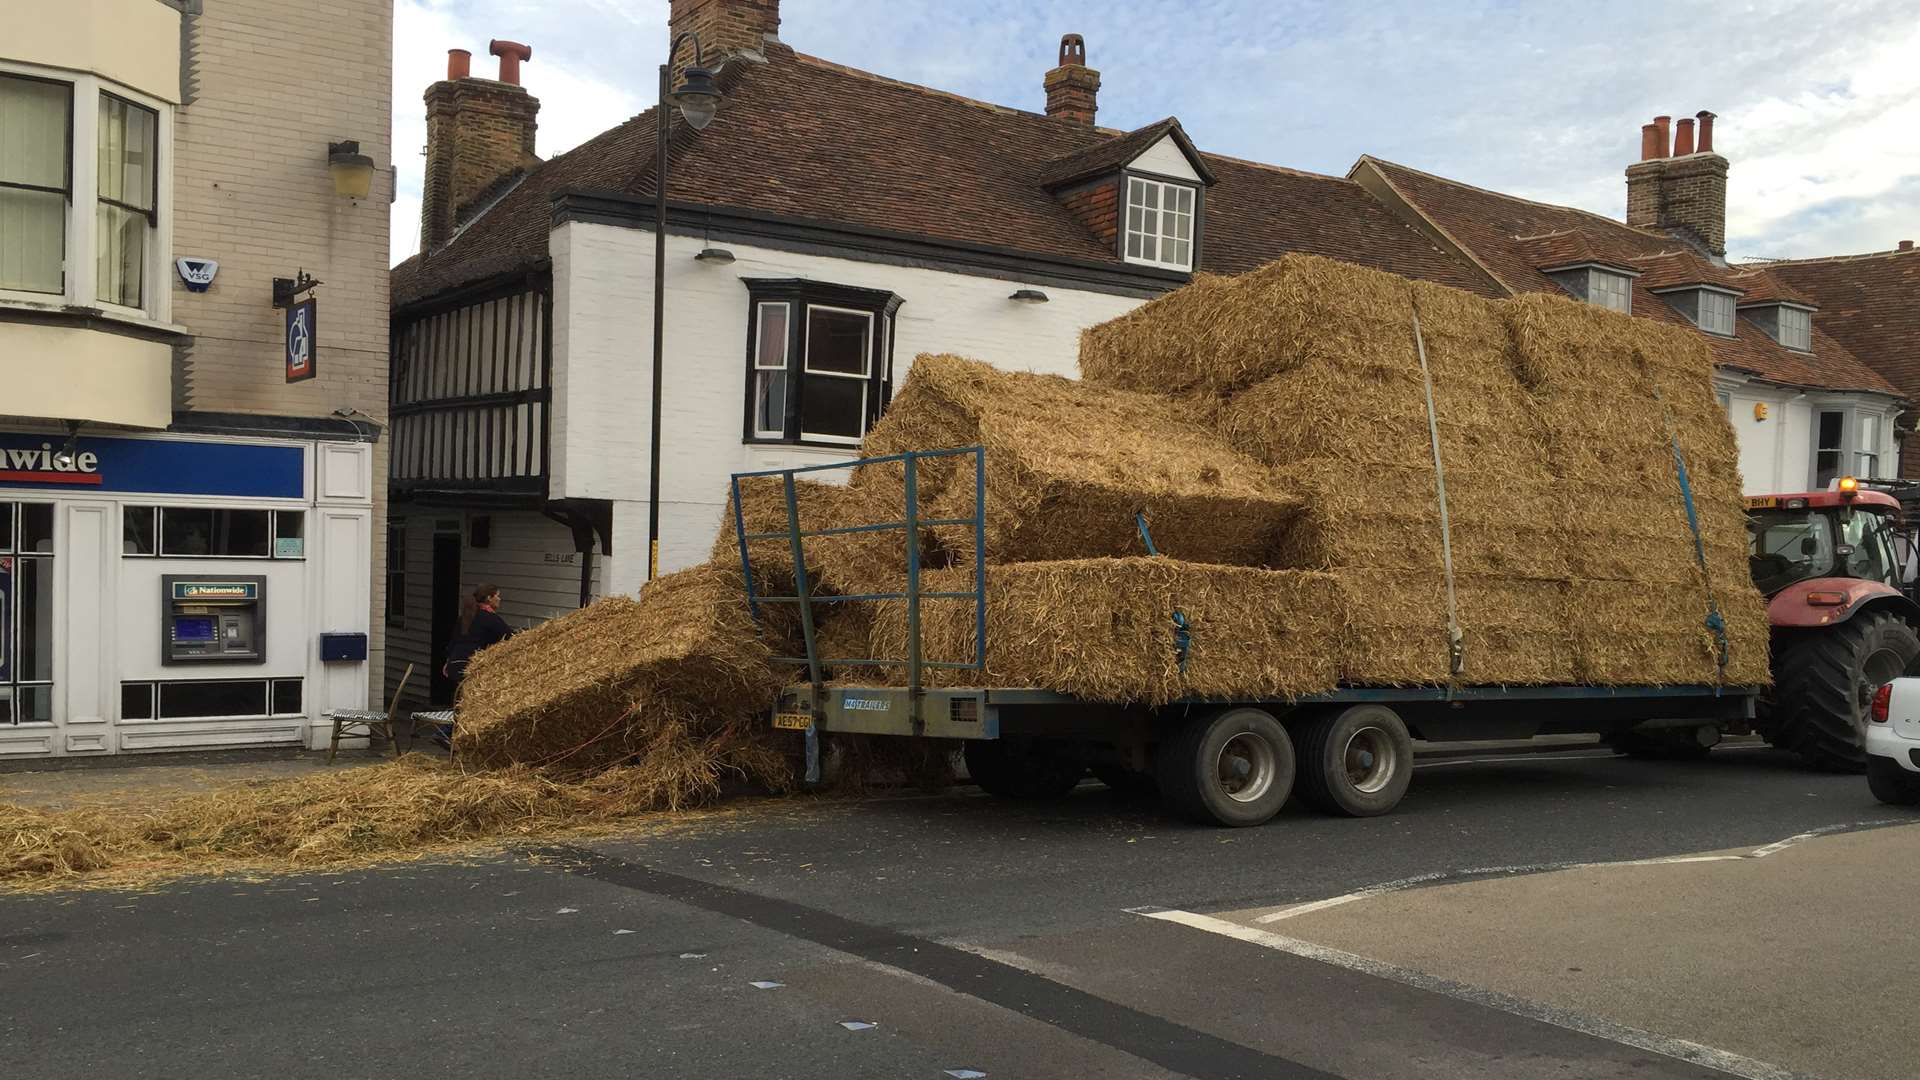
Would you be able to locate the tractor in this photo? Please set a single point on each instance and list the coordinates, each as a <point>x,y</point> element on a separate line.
<point>1842,625</point>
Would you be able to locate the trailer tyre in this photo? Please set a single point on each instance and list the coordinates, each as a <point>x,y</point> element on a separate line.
<point>1233,767</point>
<point>1357,761</point>
<point>1021,770</point>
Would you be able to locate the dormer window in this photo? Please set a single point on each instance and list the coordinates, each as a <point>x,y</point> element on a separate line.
<point>1710,309</point>
<point>1606,286</point>
<point>1789,324</point>
<point>1159,224</point>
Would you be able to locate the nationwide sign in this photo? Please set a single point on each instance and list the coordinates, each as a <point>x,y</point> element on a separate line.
<point>301,347</point>
<point>155,466</point>
<point>215,590</point>
<point>46,465</point>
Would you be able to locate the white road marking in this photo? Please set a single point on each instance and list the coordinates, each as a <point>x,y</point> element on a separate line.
<point>1386,887</point>
<point>1680,1049</point>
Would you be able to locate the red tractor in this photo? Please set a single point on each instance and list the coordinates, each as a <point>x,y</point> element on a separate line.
<point>1842,626</point>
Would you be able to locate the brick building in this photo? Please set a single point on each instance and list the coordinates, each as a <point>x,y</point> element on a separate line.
<point>188,497</point>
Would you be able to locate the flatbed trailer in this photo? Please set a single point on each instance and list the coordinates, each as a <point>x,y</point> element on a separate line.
<point>1234,762</point>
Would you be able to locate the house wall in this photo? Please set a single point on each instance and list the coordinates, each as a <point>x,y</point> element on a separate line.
<point>602,375</point>
<point>528,555</point>
<point>1777,453</point>
<point>276,81</point>
<point>133,42</point>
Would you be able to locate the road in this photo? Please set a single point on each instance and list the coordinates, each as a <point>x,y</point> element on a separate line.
<point>1469,933</point>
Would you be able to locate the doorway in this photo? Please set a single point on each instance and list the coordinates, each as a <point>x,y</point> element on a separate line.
<point>446,612</point>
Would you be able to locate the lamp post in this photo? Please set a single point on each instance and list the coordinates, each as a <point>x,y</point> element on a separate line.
<point>698,98</point>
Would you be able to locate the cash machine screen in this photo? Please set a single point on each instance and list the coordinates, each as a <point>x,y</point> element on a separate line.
<point>193,628</point>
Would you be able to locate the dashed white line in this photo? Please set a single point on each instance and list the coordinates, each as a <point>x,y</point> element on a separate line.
<point>1681,1049</point>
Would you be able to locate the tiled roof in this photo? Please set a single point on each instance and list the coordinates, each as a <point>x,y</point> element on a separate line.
<point>1494,229</point>
<point>1869,302</point>
<point>807,139</point>
<point>1680,267</point>
<point>1570,247</point>
<point>1761,285</point>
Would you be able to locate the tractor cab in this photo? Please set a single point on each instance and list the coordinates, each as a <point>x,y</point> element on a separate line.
<point>1803,539</point>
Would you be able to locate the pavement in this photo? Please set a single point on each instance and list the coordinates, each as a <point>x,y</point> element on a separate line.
<point>959,935</point>
<point>134,780</point>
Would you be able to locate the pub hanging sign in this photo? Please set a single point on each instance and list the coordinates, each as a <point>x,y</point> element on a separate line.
<point>301,348</point>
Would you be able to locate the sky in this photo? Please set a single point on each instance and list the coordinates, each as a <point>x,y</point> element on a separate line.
<point>1818,102</point>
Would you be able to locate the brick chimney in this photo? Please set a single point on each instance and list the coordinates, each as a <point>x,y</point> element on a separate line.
<point>1680,187</point>
<point>1073,88</point>
<point>478,131</point>
<point>727,28</point>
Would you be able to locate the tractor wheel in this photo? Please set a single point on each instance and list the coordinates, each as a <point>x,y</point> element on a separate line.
<point>1823,683</point>
<point>1021,770</point>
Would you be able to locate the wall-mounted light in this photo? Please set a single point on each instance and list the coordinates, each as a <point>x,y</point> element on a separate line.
<point>1029,296</point>
<point>1759,410</point>
<point>352,171</point>
<point>718,256</point>
<point>64,458</point>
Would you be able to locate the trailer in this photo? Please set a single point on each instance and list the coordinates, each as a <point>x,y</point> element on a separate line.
<point>1230,762</point>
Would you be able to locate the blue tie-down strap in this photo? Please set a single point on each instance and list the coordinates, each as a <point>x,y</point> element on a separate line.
<point>1719,627</point>
<point>1182,639</point>
<point>1146,534</point>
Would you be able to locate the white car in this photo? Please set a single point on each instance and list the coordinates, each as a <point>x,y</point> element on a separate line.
<point>1893,743</point>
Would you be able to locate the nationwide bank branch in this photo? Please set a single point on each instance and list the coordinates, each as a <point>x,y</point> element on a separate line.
<point>205,587</point>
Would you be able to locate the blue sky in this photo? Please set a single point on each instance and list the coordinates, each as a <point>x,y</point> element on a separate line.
<point>1819,102</point>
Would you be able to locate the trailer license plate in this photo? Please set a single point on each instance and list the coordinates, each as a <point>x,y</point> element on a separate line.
<point>792,721</point>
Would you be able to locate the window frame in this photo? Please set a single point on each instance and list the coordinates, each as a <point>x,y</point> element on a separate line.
<point>12,505</point>
<point>864,378</point>
<point>151,213</point>
<point>65,191</point>
<point>1596,275</point>
<point>158,512</point>
<point>1801,316</point>
<point>81,247</point>
<point>1130,177</point>
<point>879,306</point>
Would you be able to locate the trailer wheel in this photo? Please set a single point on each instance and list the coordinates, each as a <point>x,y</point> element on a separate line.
<point>1014,770</point>
<point>1356,762</point>
<point>1233,767</point>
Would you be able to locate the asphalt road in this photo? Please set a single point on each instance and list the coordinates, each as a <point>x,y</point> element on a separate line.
<point>976,936</point>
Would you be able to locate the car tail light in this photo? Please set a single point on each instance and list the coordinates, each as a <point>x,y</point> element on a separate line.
<point>1826,599</point>
<point>1882,699</point>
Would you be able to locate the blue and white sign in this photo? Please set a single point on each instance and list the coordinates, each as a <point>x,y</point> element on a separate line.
<point>301,347</point>
<point>197,273</point>
<point>154,466</point>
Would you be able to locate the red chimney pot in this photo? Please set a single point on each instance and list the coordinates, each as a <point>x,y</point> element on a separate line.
<point>1706,132</point>
<point>1663,125</point>
<point>1073,50</point>
<point>1683,138</point>
<point>1906,245</point>
<point>459,64</point>
<point>1649,142</point>
<point>511,53</point>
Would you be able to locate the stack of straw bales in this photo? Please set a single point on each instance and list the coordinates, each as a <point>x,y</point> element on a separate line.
<point>1273,429</point>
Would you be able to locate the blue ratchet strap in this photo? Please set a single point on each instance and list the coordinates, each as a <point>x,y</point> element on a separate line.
<point>1182,635</point>
<point>1715,621</point>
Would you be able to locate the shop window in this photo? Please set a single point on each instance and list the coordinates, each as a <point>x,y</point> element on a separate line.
<point>286,697</point>
<point>207,700</point>
<point>136,701</point>
<point>26,612</point>
<point>1829,454</point>
<point>289,534</point>
<point>138,533</point>
<point>192,532</point>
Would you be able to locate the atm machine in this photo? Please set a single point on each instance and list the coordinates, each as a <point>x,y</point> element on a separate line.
<point>214,619</point>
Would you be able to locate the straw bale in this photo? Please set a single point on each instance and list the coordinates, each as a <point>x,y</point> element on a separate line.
<point>1514,630</point>
<point>847,563</point>
<point>1069,465</point>
<point>1632,633</point>
<point>1102,629</point>
<point>1388,518</point>
<point>618,679</point>
<point>1221,335</point>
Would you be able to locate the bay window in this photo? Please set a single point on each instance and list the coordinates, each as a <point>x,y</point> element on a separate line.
<point>81,193</point>
<point>819,361</point>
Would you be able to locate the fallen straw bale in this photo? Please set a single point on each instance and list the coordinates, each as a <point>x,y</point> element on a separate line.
<point>621,679</point>
<point>1068,467</point>
<point>351,816</point>
<point>1103,629</point>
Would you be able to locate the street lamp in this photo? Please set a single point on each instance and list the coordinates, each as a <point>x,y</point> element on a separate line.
<point>698,98</point>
